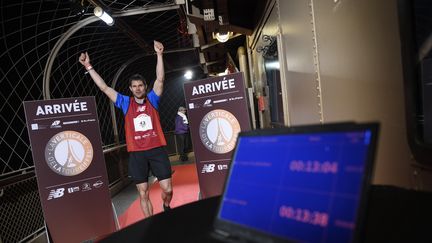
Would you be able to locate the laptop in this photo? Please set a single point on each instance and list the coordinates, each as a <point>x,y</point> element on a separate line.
<point>297,184</point>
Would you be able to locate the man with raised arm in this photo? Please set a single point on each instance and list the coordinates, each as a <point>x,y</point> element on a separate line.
<point>144,136</point>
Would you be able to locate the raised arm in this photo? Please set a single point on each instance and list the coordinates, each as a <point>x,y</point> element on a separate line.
<point>160,72</point>
<point>84,59</point>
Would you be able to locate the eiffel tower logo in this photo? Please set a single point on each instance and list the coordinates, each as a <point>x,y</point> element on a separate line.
<point>221,138</point>
<point>69,153</point>
<point>218,131</point>
<point>72,158</point>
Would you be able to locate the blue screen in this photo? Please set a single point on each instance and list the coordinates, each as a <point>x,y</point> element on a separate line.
<point>303,187</point>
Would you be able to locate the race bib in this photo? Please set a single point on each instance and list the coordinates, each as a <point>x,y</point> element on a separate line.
<point>142,123</point>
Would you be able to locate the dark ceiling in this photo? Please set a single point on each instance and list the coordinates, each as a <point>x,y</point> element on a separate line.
<point>238,16</point>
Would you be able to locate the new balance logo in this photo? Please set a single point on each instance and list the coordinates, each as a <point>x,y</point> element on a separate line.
<point>208,168</point>
<point>57,193</point>
<point>141,108</point>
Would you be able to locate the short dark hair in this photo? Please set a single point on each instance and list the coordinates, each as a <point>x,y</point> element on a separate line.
<point>137,77</point>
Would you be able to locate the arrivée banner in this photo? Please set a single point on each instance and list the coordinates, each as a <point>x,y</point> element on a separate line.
<point>70,168</point>
<point>217,111</point>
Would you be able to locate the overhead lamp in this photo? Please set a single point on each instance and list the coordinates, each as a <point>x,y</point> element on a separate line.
<point>223,73</point>
<point>99,12</point>
<point>272,65</point>
<point>222,36</point>
<point>188,74</point>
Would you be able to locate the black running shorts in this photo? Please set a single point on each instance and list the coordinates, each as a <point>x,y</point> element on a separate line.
<point>155,159</point>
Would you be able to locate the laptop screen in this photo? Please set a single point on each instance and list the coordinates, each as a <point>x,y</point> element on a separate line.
<point>303,184</point>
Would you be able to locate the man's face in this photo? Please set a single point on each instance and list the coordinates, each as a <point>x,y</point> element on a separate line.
<point>138,89</point>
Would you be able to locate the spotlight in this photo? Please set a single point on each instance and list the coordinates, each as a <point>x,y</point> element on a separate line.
<point>188,74</point>
<point>222,36</point>
<point>272,65</point>
<point>98,11</point>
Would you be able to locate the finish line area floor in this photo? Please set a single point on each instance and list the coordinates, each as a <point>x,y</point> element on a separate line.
<point>185,190</point>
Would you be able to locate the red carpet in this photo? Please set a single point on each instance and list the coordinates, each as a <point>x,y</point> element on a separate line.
<point>185,187</point>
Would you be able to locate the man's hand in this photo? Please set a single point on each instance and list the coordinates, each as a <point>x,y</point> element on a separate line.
<point>158,47</point>
<point>160,73</point>
<point>84,59</point>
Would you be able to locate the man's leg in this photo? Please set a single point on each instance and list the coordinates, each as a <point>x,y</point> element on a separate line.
<point>146,206</point>
<point>167,192</point>
<point>186,145</point>
<point>161,167</point>
<point>139,170</point>
<point>180,146</point>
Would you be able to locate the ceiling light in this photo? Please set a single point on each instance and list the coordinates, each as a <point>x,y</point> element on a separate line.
<point>98,11</point>
<point>272,65</point>
<point>223,73</point>
<point>222,36</point>
<point>188,74</point>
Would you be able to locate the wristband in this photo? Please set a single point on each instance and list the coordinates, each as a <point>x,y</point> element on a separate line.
<point>88,68</point>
